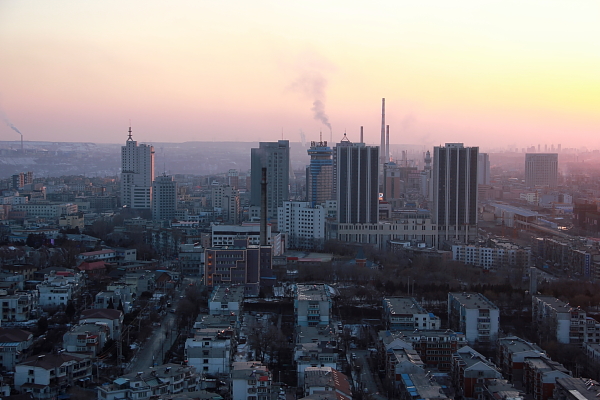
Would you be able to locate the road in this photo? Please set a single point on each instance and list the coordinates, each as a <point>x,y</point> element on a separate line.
<point>365,379</point>
<point>157,345</point>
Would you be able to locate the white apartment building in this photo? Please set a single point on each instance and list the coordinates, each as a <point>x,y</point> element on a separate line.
<point>474,315</point>
<point>250,380</point>
<point>17,307</point>
<point>58,289</point>
<point>225,300</point>
<point>404,313</point>
<point>137,174</point>
<point>303,224</point>
<point>312,305</point>
<point>47,376</point>
<point>47,210</point>
<point>164,198</point>
<point>491,257</point>
<point>209,351</point>
<point>558,320</point>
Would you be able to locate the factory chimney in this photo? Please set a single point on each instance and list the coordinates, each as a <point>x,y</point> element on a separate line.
<point>387,143</point>
<point>382,148</point>
<point>263,207</point>
<point>361,134</point>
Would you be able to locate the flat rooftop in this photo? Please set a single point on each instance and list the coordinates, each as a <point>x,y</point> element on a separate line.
<point>473,300</point>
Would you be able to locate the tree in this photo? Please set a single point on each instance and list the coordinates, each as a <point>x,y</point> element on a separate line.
<point>110,304</point>
<point>70,310</point>
<point>42,325</point>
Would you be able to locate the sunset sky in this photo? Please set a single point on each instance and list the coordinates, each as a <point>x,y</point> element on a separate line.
<point>487,73</point>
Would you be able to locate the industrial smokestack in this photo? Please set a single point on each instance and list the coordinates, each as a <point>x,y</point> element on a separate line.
<point>382,148</point>
<point>361,134</point>
<point>22,152</point>
<point>263,207</point>
<point>387,143</point>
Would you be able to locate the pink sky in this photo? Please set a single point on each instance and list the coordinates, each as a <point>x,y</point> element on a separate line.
<point>491,73</point>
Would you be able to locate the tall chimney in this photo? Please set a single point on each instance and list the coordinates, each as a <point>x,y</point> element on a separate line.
<point>263,207</point>
<point>382,148</point>
<point>387,143</point>
<point>361,134</point>
<point>22,152</point>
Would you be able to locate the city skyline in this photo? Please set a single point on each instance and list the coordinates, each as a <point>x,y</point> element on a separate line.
<point>483,74</point>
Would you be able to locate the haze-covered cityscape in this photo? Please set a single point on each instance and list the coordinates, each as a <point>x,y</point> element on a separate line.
<point>283,201</point>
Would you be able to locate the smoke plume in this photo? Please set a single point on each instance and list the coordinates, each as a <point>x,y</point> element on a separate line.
<point>312,85</point>
<point>8,123</point>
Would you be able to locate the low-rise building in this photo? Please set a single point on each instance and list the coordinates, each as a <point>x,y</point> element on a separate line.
<point>113,319</point>
<point>312,305</point>
<point>87,339</point>
<point>17,307</point>
<point>540,375</point>
<point>321,380</point>
<point>471,371</point>
<point>576,389</point>
<point>512,353</point>
<point>14,346</point>
<point>315,347</point>
<point>250,380</point>
<point>48,375</point>
<point>404,313</point>
<point>226,300</point>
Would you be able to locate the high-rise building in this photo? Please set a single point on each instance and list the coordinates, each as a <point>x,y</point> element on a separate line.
<point>227,200</point>
<point>541,169</point>
<point>164,197</point>
<point>455,192</point>
<point>233,178</point>
<point>483,169</point>
<point>319,173</point>
<point>393,185</point>
<point>275,157</point>
<point>357,168</point>
<point>137,174</point>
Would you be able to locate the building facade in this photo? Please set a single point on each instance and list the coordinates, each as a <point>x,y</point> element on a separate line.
<point>455,192</point>
<point>275,157</point>
<point>475,315</point>
<point>164,198</point>
<point>541,169</point>
<point>137,174</point>
<point>303,224</point>
<point>319,173</point>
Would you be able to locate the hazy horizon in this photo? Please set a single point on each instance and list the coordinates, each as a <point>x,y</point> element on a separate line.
<point>488,74</point>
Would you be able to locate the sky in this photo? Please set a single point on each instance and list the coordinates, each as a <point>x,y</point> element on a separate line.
<point>485,73</point>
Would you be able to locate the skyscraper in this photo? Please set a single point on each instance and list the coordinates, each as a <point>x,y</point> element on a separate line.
<point>319,173</point>
<point>483,169</point>
<point>541,169</point>
<point>357,172</point>
<point>137,174</point>
<point>164,197</point>
<point>455,192</point>
<point>275,157</point>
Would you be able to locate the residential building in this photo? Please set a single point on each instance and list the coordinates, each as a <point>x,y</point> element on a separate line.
<point>315,347</point>
<point>226,300</point>
<point>576,389</point>
<point>419,385</point>
<point>357,189</point>
<point>471,371</point>
<point>312,305</point>
<point>250,380</point>
<point>492,258</point>
<point>112,318</point>
<point>226,203</point>
<point>225,235</point>
<point>512,353</point>
<point>164,198</point>
<point>540,375</point>
<point>87,339</point>
<point>46,209</point>
<point>474,315</point>
<point>209,351</point>
<point>48,375</point>
<point>137,174</point>
<point>455,192</point>
<point>191,259</point>
<point>155,382</point>
<point>15,346</point>
<point>557,320</point>
<point>319,174</point>
<point>17,307</point>
<point>323,380</point>
<point>303,224</point>
<point>58,288</point>
<point>541,169</point>
<point>275,157</point>
<point>403,313</point>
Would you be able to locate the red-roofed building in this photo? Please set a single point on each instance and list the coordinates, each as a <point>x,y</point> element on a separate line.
<point>93,269</point>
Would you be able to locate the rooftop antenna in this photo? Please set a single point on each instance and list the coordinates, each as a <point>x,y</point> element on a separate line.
<point>129,138</point>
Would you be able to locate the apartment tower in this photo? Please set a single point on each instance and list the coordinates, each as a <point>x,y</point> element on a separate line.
<point>137,174</point>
